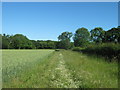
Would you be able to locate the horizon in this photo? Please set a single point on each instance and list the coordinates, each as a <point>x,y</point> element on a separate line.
<point>47,20</point>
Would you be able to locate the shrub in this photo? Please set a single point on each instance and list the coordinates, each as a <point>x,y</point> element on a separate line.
<point>110,51</point>
<point>77,49</point>
<point>57,50</point>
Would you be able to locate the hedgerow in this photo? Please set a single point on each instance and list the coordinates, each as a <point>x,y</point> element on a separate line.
<point>110,51</point>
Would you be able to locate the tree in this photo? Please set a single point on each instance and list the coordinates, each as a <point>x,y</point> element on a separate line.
<point>20,41</point>
<point>64,39</point>
<point>113,35</point>
<point>118,27</point>
<point>5,41</point>
<point>0,41</point>
<point>97,34</point>
<point>118,34</point>
<point>81,37</point>
<point>50,44</point>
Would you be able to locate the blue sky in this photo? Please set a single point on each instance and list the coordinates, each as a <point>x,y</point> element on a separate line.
<point>47,20</point>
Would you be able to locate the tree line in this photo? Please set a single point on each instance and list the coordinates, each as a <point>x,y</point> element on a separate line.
<point>82,38</point>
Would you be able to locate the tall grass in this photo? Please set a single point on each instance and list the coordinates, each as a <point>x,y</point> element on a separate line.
<point>21,63</point>
<point>91,72</point>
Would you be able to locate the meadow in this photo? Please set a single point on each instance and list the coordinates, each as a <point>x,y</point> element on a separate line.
<point>56,69</point>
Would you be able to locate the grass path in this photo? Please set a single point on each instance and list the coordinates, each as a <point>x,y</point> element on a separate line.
<point>63,78</point>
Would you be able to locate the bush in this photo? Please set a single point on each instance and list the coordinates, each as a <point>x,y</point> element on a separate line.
<point>57,50</point>
<point>110,51</point>
<point>77,49</point>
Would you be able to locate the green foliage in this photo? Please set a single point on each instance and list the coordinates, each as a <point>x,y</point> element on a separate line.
<point>5,41</point>
<point>17,41</point>
<point>81,37</point>
<point>0,41</point>
<point>64,36</point>
<point>77,49</point>
<point>72,45</point>
<point>110,51</point>
<point>113,35</point>
<point>57,50</point>
<point>97,34</point>
<point>65,40</point>
<point>39,44</point>
<point>20,41</point>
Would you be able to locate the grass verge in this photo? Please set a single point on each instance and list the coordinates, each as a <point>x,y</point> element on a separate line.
<point>91,72</point>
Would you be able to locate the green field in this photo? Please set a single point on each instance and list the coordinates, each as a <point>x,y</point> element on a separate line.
<point>56,69</point>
